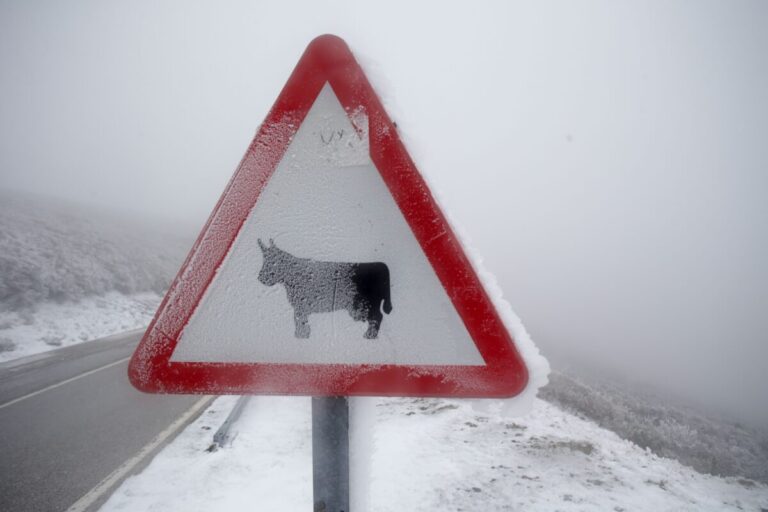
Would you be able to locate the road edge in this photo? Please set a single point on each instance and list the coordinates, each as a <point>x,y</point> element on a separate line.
<point>41,357</point>
<point>98,495</point>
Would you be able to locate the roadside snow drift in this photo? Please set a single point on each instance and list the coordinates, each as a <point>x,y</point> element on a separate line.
<point>425,455</point>
<point>52,325</point>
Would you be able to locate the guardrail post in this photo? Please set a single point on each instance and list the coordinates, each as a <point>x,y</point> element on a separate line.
<point>222,437</point>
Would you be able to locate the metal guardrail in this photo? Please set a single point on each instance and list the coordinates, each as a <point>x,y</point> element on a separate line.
<point>223,435</point>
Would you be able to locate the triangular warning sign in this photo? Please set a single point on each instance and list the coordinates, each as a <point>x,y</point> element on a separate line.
<point>327,268</point>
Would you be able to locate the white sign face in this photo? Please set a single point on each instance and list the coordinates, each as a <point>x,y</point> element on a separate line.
<point>325,269</point>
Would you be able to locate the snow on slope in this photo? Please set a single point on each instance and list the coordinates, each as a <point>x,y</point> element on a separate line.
<point>53,325</point>
<point>707,443</point>
<point>70,274</point>
<point>427,455</point>
<point>52,250</point>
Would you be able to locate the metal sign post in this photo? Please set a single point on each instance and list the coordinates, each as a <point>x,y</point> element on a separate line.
<point>330,454</point>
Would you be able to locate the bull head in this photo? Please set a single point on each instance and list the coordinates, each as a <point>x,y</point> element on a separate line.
<point>270,273</point>
<point>264,247</point>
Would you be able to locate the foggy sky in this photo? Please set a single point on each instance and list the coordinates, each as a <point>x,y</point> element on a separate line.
<point>609,160</point>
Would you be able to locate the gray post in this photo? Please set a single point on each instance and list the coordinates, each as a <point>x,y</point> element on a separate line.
<point>330,454</point>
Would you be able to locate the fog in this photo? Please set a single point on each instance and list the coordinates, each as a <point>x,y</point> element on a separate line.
<point>608,160</point>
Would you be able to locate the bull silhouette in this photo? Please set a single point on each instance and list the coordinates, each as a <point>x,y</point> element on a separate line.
<point>325,286</point>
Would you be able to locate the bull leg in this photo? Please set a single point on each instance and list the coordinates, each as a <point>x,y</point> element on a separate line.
<point>301,321</point>
<point>374,322</point>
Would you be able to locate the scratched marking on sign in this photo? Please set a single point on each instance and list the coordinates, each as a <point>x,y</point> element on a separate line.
<point>335,135</point>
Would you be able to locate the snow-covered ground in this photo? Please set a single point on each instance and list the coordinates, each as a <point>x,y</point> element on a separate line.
<point>425,454</point>
<point>52,325</point>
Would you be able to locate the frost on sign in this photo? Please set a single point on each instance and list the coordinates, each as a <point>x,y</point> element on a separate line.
<point>327,267</point>
<point>324,212</point>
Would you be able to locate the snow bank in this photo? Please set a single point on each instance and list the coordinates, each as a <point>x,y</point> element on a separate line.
<point>52,325</point>
<point>267,467</point>
<point>428,454</point>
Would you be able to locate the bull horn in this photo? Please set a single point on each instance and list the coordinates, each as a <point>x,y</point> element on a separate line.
<point>271,242</point>
<point>261,244</point>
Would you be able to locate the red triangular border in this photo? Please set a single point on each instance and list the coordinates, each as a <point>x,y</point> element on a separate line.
<point>328,59</point>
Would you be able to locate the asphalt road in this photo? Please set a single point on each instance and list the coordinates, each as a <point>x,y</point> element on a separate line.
<point>70,418</point>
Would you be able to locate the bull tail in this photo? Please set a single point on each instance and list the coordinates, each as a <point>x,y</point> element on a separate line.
<point>387,300</point>
<point>387,305</point>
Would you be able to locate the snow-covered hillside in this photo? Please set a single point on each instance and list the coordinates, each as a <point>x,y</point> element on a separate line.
<point>70,274</point>
<point>705,442</point>
<point>56,251</point>
<point>426,455</point>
